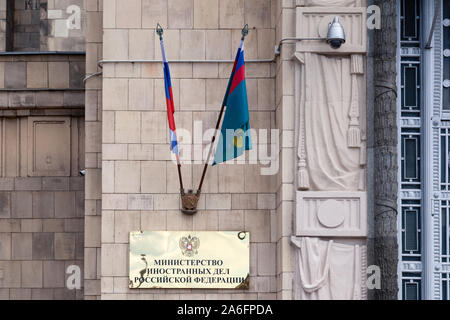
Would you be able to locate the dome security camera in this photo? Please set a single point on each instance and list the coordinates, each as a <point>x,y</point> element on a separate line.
<point>336,34</point>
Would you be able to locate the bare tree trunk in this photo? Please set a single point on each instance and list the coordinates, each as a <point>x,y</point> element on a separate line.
<point>385,150</point>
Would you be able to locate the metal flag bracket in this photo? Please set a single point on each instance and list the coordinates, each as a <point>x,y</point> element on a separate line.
<point>189,202</point>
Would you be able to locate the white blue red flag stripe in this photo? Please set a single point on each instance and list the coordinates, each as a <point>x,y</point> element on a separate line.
<point>169,103</point>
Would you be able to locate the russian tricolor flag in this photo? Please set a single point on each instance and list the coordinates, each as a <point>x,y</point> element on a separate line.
<point>169,103</point>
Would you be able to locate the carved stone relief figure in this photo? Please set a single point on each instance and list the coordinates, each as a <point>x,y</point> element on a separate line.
<point>326,270</point>
<point>331,154</point>
<point>331,151</point>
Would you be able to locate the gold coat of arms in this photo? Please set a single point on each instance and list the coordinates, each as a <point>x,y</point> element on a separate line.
<point>189,245</point>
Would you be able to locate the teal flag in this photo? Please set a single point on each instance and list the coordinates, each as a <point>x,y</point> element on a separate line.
<point>235,133</point>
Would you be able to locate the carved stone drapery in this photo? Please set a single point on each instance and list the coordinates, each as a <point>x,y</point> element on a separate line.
<point>331,201</point>
<point>329,136</point>
<point>327,270</point>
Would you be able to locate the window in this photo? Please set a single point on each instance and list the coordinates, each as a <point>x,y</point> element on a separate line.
<point>424,150</point>
<point>410,202</point>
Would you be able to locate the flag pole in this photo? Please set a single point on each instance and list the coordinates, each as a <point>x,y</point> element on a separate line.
<point>199,190</point>
<point>160,31</point>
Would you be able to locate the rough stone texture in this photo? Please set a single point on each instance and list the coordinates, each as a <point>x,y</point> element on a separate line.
<point>41,217</point>
<point>16,75</point>
<point>42,26</point>
<point>206,14</point>
<point>94,105</point>
<point>28,77</point>
<point>181,14</point>
<point>37,74</point>
<point>140,185</point>
<point>58,75</point>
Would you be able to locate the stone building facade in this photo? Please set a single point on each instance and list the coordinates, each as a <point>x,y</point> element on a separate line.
<point>42,145</point>
<point>81,88</point>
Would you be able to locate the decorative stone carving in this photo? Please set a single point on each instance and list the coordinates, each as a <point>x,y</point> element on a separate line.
<point>49,150</point>
<point>354,132</point>
<point>331,213</point>
<point>327,270</point>
<point>331,153</point>
<point>312,22</point>
<point>330,100</point>
<point>338,214</point>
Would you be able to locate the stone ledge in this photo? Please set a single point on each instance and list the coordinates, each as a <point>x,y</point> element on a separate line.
<point>45,98</point>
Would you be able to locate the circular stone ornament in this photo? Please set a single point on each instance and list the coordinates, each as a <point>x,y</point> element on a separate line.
<point>331,213</point>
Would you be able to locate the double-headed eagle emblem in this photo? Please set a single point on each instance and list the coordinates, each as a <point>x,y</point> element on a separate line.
<point>189,245</point>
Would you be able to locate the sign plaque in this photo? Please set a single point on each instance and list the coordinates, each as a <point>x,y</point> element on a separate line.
<point>189,259</point>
